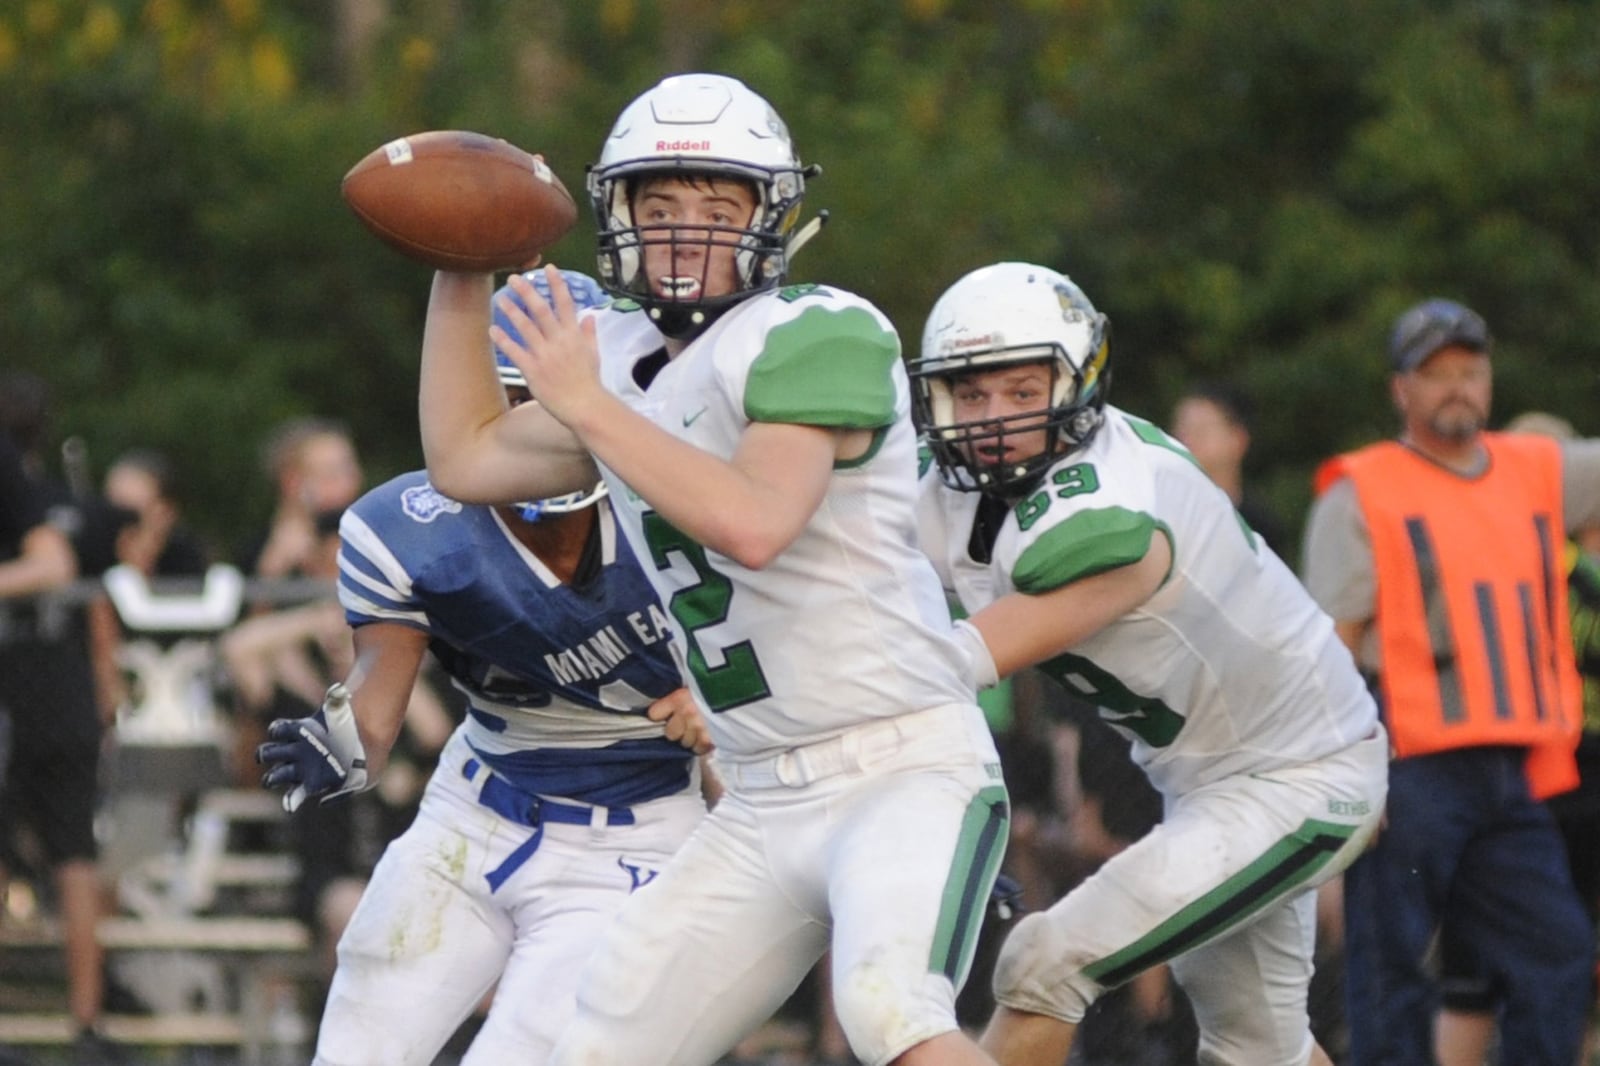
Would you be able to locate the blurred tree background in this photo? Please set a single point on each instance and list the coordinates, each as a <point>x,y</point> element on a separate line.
<point>1251,189</point>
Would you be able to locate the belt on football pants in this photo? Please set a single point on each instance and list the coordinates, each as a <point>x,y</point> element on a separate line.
<point>524,808</point>
<point>862,746</point>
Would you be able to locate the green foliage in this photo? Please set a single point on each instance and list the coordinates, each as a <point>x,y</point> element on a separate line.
<point>1251,189</point>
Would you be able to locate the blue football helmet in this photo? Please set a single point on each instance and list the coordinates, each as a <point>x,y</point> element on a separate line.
<point>586,293</point>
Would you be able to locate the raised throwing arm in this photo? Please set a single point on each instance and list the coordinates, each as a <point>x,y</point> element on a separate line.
<point>477,450</point>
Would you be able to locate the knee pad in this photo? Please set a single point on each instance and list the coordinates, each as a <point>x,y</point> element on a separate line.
<point>1037,972</point>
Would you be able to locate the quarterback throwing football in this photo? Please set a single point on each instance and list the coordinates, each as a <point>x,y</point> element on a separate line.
<point>757,442</point>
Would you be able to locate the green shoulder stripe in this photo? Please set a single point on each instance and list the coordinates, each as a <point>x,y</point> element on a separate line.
<point>825,367</point>
<point>1150,433</point>
<point>1088,543</point>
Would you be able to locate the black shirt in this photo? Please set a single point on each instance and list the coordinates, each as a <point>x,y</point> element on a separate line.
<point>22,506</point>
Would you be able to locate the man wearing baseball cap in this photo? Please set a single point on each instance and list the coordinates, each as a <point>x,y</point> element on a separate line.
<point>1432,326</point>
<point>1438,556</point>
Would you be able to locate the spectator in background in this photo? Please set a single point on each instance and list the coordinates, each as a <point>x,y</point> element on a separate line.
<point>141,485</point>
<point>142,481</point>
<point>313,463</point>
<point>88,520</point>
<point>1213,420</point>
<point>316,473</point>
<point>1438,555</point>
<point>35,556</point>
<point>47,698</point>
<point>1466,1025</point>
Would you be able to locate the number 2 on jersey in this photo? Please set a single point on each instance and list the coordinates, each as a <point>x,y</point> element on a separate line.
<point>739,680</point>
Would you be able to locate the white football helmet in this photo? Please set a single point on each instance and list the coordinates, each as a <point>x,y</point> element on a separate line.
<point>697,125</point>
<point>1001,316</point>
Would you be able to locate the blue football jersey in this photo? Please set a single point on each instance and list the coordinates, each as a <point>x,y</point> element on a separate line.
<point>557,677</point>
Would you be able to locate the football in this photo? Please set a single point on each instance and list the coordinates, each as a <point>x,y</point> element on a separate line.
<point>457,200</point>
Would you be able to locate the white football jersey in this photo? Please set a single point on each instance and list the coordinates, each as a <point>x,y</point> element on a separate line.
<point>1229,668</point>
<point>848,624</point>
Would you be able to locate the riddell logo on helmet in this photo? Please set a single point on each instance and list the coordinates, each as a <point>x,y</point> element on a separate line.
<point>683,146</point>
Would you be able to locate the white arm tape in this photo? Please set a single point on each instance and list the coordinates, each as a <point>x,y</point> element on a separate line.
<point>980,663</point>
<point>346,739</point>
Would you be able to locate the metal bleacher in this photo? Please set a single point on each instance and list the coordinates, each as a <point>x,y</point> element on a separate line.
<point>203,940</point>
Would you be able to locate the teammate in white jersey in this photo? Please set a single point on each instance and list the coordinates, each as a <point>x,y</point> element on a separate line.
<point>1088,542</point>
<point>557,796</point>
<point>757,442</point>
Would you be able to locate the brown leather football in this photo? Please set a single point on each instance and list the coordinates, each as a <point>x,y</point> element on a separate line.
<point>458,200</point>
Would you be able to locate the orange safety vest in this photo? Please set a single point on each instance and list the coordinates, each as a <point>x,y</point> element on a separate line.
<point>1484,555</point>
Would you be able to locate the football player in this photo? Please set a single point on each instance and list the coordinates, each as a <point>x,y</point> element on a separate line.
<point>757,441</point>
<point>568,785</point>
<point>1087,541</point>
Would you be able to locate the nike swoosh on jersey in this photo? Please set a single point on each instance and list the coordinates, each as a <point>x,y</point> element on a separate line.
<point>689,420</point>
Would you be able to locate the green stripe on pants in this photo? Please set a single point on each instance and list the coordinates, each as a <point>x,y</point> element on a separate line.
<point>984,830</point>
<point>1284,867</point>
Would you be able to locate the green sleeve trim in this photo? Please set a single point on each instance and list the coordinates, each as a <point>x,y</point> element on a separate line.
<point>874,446</point>
<point>1088,543</point>
<point>825,367</point>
